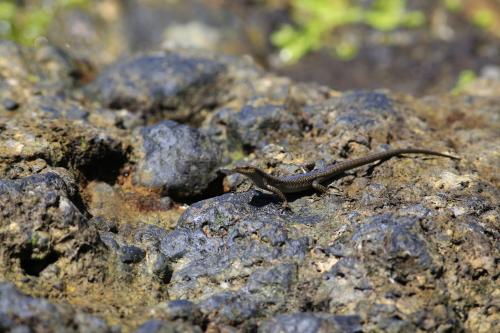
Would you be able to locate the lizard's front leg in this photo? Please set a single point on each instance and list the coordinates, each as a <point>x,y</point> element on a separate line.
<point>278,193</point>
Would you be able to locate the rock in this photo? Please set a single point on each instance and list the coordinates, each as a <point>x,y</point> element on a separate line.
<point>353,110</point>
<point>83,149</point>
<point>57,69</point>
<point>226,236</point>
<point>20,313</point>
<point>387,247</point>
<point>108,239</point>
<point>103,224</point>
<point>160,85</point>
<point>46,69</point>
<point>255,126</point>
<point>406,244</point>
<point>42,223</point>
<point>12,63</point>
<point>178,309</point>
<point>229,308</point>
<point>311,323</point>
<point>158,326</point>
<point>131,254</point>
<point>10,104</point>
<point>277,280</point>
<point>177,158</point>
<point>391,244</point>
<point>58,107</point>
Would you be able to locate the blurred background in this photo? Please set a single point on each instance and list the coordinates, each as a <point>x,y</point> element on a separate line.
<point>412,46</point>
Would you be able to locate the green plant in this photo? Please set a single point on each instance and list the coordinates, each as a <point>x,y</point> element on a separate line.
<point>24,24</point>
<point>464,79</point>
<point>480,14</point>
<point>315,20</point>
<point>453,5</point>
<point>483,18</point>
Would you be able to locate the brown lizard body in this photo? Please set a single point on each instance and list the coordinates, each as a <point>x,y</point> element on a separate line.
<point>314,179</point>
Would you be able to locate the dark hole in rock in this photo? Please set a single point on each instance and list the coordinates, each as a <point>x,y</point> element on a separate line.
<point>106,168</point>
<point>214,189</point>
<point>308,306</point>
<point>248,149</point>
<point>34,267</point>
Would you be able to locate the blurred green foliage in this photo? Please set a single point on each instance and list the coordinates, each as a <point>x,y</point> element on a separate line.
<point>464,78</point>
<point>25,23</point>
<point>480,16</point>
<point>483,18</point>
<point>316,19</point>
<point>453,5</point>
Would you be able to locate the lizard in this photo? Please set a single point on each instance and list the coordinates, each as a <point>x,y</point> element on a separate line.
<point>316,178</point>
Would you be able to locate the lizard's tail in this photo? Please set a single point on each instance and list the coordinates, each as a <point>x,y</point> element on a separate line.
<point>346,165</point>
<point>399,151</point>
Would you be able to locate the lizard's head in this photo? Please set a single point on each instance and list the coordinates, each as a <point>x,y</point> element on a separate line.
<point>255,174</point>
<point>246,170</point>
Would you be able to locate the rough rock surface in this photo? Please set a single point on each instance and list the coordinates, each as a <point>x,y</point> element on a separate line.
<point>44,232</point>
<point>161,84</point>
<point>21,313</point>
<point>178,158</point>
<point>91,218</point>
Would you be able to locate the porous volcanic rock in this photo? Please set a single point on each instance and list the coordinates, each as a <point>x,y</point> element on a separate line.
<point>112,207</point>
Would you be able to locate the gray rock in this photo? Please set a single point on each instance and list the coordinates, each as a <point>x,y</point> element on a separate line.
<point>16,63</point>
<point>177,158</point>
<point>228,236</point>
<point>160,84</point>
<point>255,126</point>
<point>311,323</point>
<point>229,308</point>
<point>131,254</point>
<point>108,239</point>
<point>159,326</point>
<point>179,309</point>
<point>407,244</point>
<point>10,104</point>
<point>395,245</point>
<point>20,313</point>
<point>58,107</point>
<point>160,267</point>
<point>103,224</point>
<point>279,277</point>
<point>395,248</point>
<point>41,222</point>
<point>352,110</point>
<point>79,147</point>
<point>43,70</point>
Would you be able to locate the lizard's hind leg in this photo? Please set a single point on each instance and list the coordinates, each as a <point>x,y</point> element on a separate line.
<point>318,187</point>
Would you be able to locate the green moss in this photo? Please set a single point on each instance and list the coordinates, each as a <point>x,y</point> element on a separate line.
<point>24,24</point>
<point>84,144</point>
<point>346,50</point>
<point>316,20</point>
<point>219,219</point>
<point>236,155</point>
